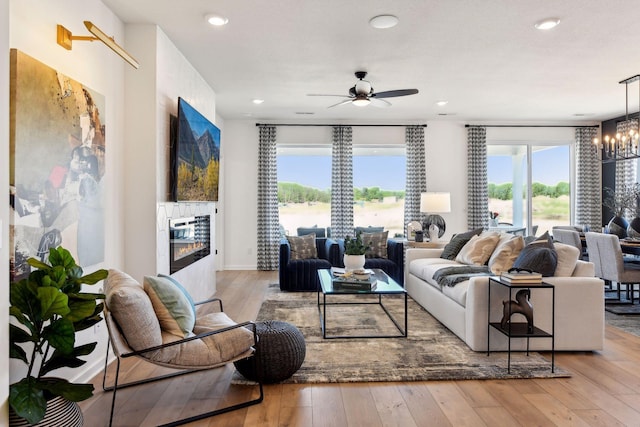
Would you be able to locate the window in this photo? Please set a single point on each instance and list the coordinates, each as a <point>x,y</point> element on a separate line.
<point>304,186</point>
<point>379,178</point>
<point>530,184</point>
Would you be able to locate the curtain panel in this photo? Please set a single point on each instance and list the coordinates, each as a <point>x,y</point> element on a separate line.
<point>341,183</point>
<point>477,196</point>
<point>588,187</point>
<point>416,181</point>
<point>268,232</point>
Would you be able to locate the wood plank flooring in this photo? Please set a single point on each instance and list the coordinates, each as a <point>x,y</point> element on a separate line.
<point>604,390</point>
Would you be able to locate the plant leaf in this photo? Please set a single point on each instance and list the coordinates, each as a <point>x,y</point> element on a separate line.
<point>36,263</point>
<point>17,334</point>
<point>17,352</point>
<point>70,391</point>
<point>20,296</point>
<point>52,301</point>
<point>79,309</point>
<point>59,360</point>
<point>27,400</point>
<point>95,277</point>
<point>88,322</point>
<point>60,335</point>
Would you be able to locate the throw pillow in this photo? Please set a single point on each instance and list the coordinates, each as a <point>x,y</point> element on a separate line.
<point>182,288</point>
<point>478,249</point>
<point>171,305</point>
<point>452,248</point>
<point>505,254</point>
<point>568,257</point>
<point>377,244</point>
<point>539,256</point>
<point>303,247</point>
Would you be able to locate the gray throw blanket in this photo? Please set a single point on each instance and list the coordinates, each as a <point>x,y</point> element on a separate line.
<point>450,276</point>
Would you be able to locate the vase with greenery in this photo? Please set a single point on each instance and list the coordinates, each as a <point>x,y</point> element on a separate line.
<point>354,250</point>
<point>51,307</point>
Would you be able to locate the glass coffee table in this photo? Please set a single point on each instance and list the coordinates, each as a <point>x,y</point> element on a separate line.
<point>385,286</point>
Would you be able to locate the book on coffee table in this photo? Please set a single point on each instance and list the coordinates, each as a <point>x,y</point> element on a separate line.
<point>351,283</point>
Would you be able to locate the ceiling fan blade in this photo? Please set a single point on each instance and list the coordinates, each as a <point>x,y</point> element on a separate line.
<point>346,101</point>
<point>380,103</point>
<point>394,93</point>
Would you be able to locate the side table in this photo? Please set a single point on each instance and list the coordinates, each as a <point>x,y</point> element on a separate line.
<point>520,329</point>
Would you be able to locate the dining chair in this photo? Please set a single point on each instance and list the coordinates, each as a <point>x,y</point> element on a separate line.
<point>606,255</point>
<point>568,237</point>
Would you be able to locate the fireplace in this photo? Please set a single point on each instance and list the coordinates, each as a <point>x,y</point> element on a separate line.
<point>189,240</point>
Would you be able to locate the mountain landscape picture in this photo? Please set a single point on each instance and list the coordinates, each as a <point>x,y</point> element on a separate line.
<point>196,156</point>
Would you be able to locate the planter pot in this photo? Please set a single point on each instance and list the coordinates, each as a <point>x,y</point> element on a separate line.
<point>633,230</point>
<point>60,413</point>
<point>353,262</point>
<point>618,226</point>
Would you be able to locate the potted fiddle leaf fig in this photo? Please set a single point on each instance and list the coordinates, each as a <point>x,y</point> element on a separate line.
<point>50,307</point>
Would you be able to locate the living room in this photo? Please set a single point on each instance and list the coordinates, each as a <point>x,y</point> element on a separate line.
<point>138,108</point>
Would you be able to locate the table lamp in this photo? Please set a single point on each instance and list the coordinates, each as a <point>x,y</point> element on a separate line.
<point>434,203</point>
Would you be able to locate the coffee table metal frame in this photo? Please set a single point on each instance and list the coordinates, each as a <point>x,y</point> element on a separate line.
<point>385,286</point>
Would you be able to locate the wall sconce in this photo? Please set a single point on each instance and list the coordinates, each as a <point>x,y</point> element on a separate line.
<point>65,39</point>
<point>433,204</point>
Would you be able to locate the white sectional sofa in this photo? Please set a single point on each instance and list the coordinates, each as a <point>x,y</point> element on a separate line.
<point>579,303</point>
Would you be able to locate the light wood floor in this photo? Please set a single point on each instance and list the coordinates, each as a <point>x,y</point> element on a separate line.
<point>604,390</point>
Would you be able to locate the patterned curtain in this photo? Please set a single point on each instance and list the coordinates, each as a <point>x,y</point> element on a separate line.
<point>268,216</point>
<point>342,183</point>
<point>588,187</point>
<point>626,170</point>
<point>416,175</point>
<point>477,197</point>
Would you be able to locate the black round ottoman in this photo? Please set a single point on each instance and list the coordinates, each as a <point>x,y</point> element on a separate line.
<point>281,350</point>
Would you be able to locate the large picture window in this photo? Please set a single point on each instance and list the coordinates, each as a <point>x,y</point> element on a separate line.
<point>304,186</point>
<point>530,185</point>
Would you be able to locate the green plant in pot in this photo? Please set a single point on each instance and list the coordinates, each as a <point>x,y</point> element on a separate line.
<point>354,250</point>
<point>51,308</point>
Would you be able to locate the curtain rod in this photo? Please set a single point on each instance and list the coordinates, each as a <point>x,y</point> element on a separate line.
<point>341,125</point>
<point>534,126</point>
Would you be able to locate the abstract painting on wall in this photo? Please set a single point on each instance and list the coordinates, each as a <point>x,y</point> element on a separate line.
<point>57,165</point>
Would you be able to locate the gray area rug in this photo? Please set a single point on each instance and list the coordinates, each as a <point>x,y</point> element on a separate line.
<point>431,351</point>
<point>628,323</point>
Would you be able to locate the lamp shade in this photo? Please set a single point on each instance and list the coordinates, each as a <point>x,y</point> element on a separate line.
<point>432,202</point>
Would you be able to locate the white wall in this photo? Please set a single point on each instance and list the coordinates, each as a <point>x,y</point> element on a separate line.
<point>151,97</point>
<point>4,213</point>
<point>33,31</point>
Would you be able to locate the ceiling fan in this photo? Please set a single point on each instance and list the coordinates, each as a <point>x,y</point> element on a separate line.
<point>362,94</point>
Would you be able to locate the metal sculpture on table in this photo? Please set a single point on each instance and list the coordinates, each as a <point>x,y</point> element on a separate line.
<point>521,305</point>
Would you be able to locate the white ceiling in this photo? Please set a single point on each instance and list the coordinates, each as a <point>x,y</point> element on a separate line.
<point>483,56</point>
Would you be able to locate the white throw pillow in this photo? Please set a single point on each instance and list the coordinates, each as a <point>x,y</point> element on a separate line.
<point>567,259</point>
<point>478,250</point>
<point>505,254</point>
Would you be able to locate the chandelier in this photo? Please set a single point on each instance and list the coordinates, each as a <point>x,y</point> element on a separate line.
<point>624,144</point>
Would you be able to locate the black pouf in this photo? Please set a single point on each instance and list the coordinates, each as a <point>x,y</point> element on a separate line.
<point>281,349</point>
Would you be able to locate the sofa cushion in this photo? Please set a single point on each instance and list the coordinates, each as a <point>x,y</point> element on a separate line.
<point>458,293</point>
<point>171,305</point>
<point>539,256</point>
<point>568,257</point>
<point>505,254</point>
<point>303,247</point>
<point>452,248</point>
<point>376,244</point>
<point>424,268</point>
<point>478,249</point>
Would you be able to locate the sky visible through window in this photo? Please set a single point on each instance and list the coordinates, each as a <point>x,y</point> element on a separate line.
<point>551,167</point>
<point>368,171</point>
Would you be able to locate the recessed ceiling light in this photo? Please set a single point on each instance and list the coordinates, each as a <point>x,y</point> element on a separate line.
<point>547,24</point>
<point>216,20</point>
<point>383,21</point>
<point>257,101</point>
<point>442,103</point>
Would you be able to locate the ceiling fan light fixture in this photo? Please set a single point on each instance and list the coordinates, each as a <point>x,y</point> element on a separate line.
<point>216,20</point>
<point>547,24</point>
<point>383,21</point>
<point>360,101</point>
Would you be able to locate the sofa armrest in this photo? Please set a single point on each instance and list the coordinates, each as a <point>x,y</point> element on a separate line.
<point>334,251</point>
<point>584,269</point>
<point>395,252</point>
